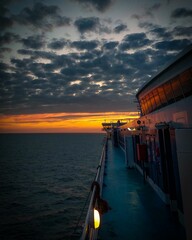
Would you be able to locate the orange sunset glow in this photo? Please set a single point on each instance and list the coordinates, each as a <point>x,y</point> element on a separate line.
<point>60,122</point>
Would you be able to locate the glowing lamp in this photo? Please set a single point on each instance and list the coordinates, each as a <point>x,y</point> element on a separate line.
<point>94,219</point>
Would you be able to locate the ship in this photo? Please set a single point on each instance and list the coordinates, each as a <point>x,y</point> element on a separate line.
<point>143,186</point>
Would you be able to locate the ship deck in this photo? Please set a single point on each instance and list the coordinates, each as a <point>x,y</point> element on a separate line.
<point>137,212</point>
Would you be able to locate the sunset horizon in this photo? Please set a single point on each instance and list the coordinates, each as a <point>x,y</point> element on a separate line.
<point>61,122</point>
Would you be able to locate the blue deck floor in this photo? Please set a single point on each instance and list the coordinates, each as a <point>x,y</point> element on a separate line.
<point>137,212</point>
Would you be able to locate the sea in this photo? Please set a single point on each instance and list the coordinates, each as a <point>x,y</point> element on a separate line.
<point>45,180</point>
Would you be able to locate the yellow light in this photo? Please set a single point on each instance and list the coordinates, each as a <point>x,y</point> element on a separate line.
<point>96,219</point>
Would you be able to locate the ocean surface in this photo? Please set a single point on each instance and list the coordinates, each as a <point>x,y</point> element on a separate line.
<point>44,182</point>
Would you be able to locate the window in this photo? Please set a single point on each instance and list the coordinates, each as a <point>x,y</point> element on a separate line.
<point>162,96</point>
<point>156,97</point>
<point>186,82</point>
<point>168,92</point>
<point>143,107</point>
<point>176,86</point>
<point>149,106</point>
<point>152,100</point>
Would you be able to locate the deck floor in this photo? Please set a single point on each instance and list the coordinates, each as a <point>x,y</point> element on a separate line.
<point>137,212</point>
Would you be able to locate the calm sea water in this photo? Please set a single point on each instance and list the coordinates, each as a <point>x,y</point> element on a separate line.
<point>44,181</point>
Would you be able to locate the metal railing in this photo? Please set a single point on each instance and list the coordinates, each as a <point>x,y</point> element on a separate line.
<point>89,233</point>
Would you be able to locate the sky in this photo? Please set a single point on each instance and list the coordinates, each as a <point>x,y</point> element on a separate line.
<point>68,65</point>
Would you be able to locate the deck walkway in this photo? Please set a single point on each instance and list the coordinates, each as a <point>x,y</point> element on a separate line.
<point>137,212</point>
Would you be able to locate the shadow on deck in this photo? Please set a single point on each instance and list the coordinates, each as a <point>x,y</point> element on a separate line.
<point>137,212</point>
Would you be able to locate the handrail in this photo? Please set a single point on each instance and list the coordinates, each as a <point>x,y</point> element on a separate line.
<point>92,234</point>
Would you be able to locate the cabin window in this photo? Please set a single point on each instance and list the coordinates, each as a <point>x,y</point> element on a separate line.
<point>149,106</point>
<point>156,97</point>
<point>177,90</point>
<point>162,96</point>
<point>186,82</point>
<point>168,92</point>
<point>143,106</point>
<point>152,100</point>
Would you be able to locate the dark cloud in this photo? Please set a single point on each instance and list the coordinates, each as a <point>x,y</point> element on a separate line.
<point>87,24</point>
<point>183,31</point>
<point>34,42</point>
<point>161,32</point>
<point>110,45</point>
<point>37,54</point>
<point>166,34</point>
<point>5,22</point>
<point>148,25</point>
<point>42,16</point>
<point>4,66</point>
<point>181,13</point>
<point>134,41</point>
<point>84,45</point>
<point>75,72</point>
<point>82,80</point>
<point>55,91</point>
<point>120,28</point>
<point>57,44</point>
<point>63,60</point>
<point>8,37</point>
<point>100,5</point>
<point>173,45</point>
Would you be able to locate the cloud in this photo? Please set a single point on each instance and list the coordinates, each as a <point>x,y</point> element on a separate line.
<point>42,16</point>
<point>82,80</point>
<point>8,38</point>
<point>57,44</point>
<point>85,45</point>
<point>148,25</point>
<point>91,24</point>
<point>181,13</point>
<point>37,54</point>
<point>5,22</point>
<point>173,45</point>
<point>167,33</point>
<point>87,24</point>
<point>161,32</point>
<point>120,28</point>
<point>183,31</point>
<point>100,5</point>
<point>134,41</point>
<point>110,45</point>
<point>34,42</point>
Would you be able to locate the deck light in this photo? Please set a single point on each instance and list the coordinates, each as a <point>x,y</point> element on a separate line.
<point>94,219</point>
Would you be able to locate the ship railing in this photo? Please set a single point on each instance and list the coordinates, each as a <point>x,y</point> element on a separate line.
<point>90,232</point>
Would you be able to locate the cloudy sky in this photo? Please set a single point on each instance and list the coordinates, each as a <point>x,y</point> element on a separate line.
<point>74,60</point>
